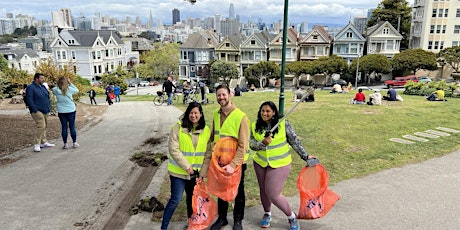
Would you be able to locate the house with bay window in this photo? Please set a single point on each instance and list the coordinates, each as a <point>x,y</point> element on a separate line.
<point>383,38</point>
<point>276,46</point>
<point>92,53</point>
<point>254,49</point>
<point>348,43</point>
<point>316,44</point>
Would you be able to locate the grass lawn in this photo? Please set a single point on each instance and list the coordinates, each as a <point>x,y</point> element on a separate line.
<point>350,140</point>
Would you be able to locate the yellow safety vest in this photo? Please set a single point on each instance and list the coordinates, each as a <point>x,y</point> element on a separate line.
<point>276,154</point>
<point>230,127</point>
<point>194,156</point>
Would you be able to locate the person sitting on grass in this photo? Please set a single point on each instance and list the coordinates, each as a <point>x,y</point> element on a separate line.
<point>437,95</point>
<point>359,98</point>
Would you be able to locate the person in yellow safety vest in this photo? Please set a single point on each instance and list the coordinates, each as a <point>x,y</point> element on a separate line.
<point>230,121</point>
<point>272,160</point>
<point>188,142</point>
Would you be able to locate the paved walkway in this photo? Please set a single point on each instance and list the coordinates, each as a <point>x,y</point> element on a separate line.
<point>417,196</point>
<point>56,188</point>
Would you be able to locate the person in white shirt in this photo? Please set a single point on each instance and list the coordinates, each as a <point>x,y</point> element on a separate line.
<point>375,98</point>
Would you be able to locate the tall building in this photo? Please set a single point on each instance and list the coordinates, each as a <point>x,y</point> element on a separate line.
<point>435,25</point>
<point>360,23</point>
<point>175,16</point>
<point>229,27</point>
<point>67,14</point>
<point>217,20</point>
<point>231,11</point>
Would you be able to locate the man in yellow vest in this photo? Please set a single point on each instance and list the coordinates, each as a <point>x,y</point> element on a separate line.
<point>230,121</point>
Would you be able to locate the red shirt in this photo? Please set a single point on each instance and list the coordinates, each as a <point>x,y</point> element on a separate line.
<point>360,97</point>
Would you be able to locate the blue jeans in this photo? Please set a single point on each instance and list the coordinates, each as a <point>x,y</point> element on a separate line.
<point>178,185</point>
<point>169,98</point>
<point>68,121</point>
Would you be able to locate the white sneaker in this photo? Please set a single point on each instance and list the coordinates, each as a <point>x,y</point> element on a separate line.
<point>76,145</point>
<point>36,148</point>
<point>46,145</point>
<point>66,146</point>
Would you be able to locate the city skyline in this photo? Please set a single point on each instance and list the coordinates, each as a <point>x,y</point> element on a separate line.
<point>337,12</point>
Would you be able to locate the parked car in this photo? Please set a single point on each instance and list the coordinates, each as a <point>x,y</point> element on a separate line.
<point>400,81</point>
<point>341,82</point>
<point>424,79</point>
<point>144,83</point>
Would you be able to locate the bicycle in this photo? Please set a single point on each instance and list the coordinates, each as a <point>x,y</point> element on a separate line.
<point>162,97</point>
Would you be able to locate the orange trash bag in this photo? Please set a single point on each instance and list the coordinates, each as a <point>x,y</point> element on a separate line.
<point>315,198</point>
<point>204,208</point>
<point>221,184</point>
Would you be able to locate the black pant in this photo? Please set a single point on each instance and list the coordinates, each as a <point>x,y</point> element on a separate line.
<point>240,202</point>
<point>93,99</point>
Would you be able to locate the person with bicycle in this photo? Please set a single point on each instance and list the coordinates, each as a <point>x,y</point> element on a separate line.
<point>168,88</point>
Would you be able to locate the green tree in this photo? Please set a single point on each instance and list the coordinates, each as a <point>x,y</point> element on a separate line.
<point>372,63</point>
<point>329,65</point>
<point>300,67</point>
<point>223,71</point>
<point>160,62</point>
<point>413,60</point>
<point>451,57</point>
<point>262,71</point>
<point>396,12</point>
<point>3,63</point>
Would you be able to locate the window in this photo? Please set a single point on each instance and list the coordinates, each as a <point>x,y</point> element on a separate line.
<point>64,55</point>
<point>434,13</point>
<point>446,13</point>
<point>390,45</point>
<point>106,53</point>
<point>386,31</point>
<point>457,29</point>
<point>94,55</point>
<point>320,51</point>
<point>98,54</point>
<point>258,55</point>
<point>253,42</point>
<point>441,46</point>
<point>73,54</point>
<point>349,34</point>
<point>227,44</point>
<point>438,29</point>
<point>58,55</point>
<point>455,43</point>
<point>222,55</point>
<point>430,45</point>
<point>431,29</point>
<point>440,12</point>
<point>315,37</point>
<point>458,13</point>
<point>436,45</point>
<point>354,48</point>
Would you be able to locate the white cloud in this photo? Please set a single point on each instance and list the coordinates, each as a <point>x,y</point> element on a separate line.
<point>327,11</point>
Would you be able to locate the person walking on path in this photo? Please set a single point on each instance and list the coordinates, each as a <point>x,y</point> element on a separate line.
<point>272,161</point>
<point>67,109</point>
<point>38,100</point>
<point>117,90</point>
<point>188,142</point>
<point>229,121</point>
<point>108,91</point>
<point>92,95</point>
<point>168,88</point>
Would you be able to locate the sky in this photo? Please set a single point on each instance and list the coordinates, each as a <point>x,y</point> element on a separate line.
<point>337,12</point>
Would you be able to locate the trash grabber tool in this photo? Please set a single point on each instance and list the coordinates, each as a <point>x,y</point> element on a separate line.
<point>287,114</point>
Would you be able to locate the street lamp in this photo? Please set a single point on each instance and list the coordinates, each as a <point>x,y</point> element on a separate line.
<point>357,71</point>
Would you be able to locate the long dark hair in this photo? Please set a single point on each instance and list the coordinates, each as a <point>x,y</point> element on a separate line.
<point>261,125</point>
<point>186,123</point>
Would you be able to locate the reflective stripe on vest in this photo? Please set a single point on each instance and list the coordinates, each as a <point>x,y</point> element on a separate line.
<point>230,127</point>
<point>276,154</point>
<point>194,156</point>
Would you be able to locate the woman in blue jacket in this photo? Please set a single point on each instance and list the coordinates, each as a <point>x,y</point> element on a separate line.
<point>66,108</point>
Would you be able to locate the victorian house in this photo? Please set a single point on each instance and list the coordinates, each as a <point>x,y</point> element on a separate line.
<point>383,38</point>
<point>21,59</point>
<point>195,55</point>
<point>316,44</point>
<point>348,43</point>
<point>254,49</point>
<point>276,46</point>
<point>92,53</point>
<point>229,49</point>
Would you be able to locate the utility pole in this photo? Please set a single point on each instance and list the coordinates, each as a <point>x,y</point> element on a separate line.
<point>357,71</point>
<point>283,57</point>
